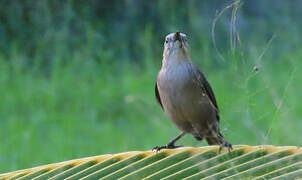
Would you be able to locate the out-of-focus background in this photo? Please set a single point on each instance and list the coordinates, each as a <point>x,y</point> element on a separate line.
<point>77,77</point>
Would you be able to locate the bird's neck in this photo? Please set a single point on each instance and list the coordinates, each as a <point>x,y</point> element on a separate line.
<point>174,60</point>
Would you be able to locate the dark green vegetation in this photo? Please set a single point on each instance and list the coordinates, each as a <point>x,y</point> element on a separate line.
<point>77,79</point>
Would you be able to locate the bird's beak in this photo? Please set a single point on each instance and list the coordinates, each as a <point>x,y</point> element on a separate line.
<point>177,37</point>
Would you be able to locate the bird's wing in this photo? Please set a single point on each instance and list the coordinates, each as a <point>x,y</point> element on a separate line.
<point>209,91</point>
<point>158,96</point>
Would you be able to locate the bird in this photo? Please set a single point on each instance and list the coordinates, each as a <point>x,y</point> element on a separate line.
<point>185,95</point>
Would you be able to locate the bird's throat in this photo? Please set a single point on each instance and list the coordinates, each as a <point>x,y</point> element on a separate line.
<point>175,58</point>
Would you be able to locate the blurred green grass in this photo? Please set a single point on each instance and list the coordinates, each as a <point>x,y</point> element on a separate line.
<point>84,108</point>
<point>77,79</point>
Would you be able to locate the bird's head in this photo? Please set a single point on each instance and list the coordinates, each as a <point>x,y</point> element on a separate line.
<point>176,47</point>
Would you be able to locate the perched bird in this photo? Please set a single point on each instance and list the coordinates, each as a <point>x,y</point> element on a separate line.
<point>185,95</point>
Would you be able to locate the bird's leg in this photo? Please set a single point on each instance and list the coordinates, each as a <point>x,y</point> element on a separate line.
<point>171,143</point>
<point>224,143</point>
<point>217,138</point>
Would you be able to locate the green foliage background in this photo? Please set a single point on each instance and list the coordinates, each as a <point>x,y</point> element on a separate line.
<point>77,77</point>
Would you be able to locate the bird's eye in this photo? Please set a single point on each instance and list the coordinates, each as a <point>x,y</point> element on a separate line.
<point>166,41</point>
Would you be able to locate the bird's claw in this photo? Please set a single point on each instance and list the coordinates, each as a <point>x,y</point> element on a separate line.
<point>227,145</point>
<point>168,146</point>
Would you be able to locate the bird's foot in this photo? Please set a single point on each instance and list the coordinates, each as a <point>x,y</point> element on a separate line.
<point>227,145</point>
<point>168,146</point>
